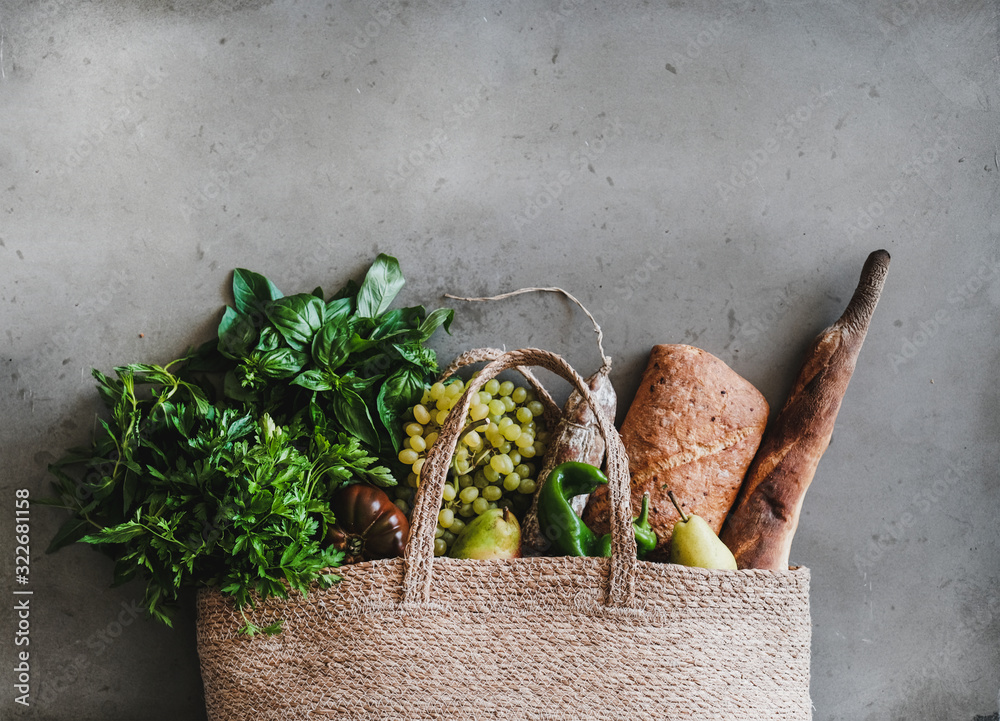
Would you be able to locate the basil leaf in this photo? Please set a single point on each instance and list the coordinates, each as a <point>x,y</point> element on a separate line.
<point>398,321</point>
<point>382,284</point>
<point>360,345</point>
<point>335,344</point>
<point>355,383</point>
<point>269,339</point>
<point>399,392</point>
<point>237,334</point>
<point>376,365</point>
<point>442,317</point>
<point>339,310</point>
<point>282,363</point>
<point>297,318</point>
<point>316,414</point>
<point>352,413</point>
<point>313,380</point>
<point>420,356</point>
<point>331,345</point>
<point>253,292</point>
<point>349,291</point>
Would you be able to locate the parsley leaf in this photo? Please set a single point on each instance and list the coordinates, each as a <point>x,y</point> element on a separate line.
<point>216,469</point>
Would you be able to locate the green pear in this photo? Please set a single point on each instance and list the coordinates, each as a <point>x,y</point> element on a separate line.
<point>491,535</point>
<point>694,543</point>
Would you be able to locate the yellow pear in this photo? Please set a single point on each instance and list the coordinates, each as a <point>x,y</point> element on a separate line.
<point>694,543</point>
<point>495,534</point>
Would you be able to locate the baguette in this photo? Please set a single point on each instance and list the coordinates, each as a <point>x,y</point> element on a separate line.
<point>760,529</point>
<point>692,428</point>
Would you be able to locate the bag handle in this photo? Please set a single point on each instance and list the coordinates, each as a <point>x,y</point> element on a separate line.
<point>419,554</point>
<point>552,412</point>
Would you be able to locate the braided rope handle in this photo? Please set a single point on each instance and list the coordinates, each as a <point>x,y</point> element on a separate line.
<point>552,412</point>
<point>419,553</point>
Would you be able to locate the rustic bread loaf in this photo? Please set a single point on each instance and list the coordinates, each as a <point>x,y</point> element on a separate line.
<point>692,428</point>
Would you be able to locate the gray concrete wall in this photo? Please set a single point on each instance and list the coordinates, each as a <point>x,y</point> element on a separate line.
<point>706,173</point>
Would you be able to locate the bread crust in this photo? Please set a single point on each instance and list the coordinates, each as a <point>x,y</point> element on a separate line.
<point>693,428</point>
<point>760,529</point>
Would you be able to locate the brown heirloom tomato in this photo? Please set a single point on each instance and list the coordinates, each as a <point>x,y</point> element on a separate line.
<point>368,524</point>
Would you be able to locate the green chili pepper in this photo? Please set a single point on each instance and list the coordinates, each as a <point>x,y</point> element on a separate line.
<point>645,536</point>
<point>559,522</point>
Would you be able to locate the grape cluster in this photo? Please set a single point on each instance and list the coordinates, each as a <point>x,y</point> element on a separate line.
<point>497,458</point>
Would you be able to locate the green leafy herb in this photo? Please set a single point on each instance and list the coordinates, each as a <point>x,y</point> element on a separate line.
<point>216,468</point>
<point>382,284</point>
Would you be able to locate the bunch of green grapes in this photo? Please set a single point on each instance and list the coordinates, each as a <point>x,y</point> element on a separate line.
<point>497,458</point>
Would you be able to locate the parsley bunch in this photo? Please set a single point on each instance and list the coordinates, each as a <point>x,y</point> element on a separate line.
<point>217,468</point>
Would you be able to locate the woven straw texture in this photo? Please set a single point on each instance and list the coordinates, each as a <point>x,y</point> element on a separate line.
<point>520,639</point>
<point>529,638</point>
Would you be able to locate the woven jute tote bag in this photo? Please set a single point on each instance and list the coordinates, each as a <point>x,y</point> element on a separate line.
<point>421,637</point>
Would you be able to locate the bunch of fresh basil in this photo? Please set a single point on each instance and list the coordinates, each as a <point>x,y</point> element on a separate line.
<point>363,363</point>
<point>217,468</point>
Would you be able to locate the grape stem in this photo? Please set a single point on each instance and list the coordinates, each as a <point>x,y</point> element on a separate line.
<point>597,327</point>
<point>470,426</point>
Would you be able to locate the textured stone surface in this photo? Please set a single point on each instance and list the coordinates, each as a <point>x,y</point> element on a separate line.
<point>703,173</point>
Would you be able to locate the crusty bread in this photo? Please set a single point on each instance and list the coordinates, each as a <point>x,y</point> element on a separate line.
<point>692,428</point>
<point>760,530</point>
